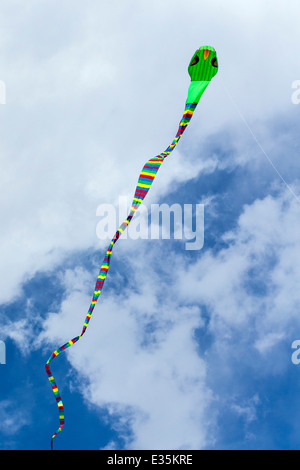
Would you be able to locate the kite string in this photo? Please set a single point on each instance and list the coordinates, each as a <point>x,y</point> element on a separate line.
<point>145,181</point>
<point>259,145</point>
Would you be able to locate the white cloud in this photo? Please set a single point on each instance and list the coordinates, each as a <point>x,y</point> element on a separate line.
<point>12,419</point>
<point>23,330</point>
<point>85,109</point>
<point>268,341</point>
<point>139,359</point>
<point>248,409</point>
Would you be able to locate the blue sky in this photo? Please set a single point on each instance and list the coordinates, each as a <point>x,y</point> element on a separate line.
<point>185,349</point>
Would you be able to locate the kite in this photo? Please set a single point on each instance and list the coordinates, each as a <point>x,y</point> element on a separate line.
<point>202,68</point>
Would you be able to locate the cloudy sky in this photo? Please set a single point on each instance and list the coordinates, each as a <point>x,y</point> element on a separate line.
<point>186,349</point>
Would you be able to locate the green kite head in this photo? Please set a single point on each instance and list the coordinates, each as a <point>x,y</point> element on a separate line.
<point>202,68</point>
<point>203,65</point>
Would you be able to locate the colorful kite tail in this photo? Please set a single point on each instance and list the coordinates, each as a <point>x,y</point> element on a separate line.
<point>145,180</point>
<point>203,66</point>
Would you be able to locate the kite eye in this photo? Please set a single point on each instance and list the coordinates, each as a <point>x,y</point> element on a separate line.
<point>214,62</point>
<point>195,60</point>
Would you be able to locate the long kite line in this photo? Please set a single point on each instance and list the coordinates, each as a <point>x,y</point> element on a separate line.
<point>202,68</point>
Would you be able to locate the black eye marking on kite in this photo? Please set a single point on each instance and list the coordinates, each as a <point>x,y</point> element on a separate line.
<point>195,60</point>
<point>214,62</point>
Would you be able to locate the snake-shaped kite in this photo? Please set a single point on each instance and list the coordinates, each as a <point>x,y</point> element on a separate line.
<point>202,68</point>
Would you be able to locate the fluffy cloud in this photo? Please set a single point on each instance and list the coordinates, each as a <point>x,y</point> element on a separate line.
<point>140,356</point>
<point>71,134</point>
<point>139,360</point>
<point>11,419</point>
<point>84,110</point>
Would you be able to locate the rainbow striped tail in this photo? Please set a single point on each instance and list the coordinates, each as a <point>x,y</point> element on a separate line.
<point>145,181</point>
